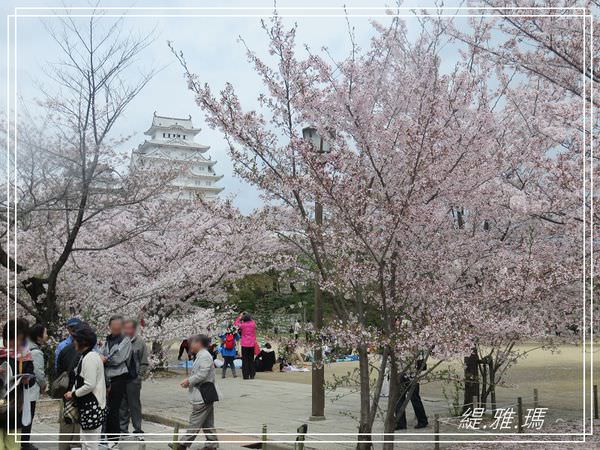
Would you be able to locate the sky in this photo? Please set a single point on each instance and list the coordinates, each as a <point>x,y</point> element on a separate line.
<point>211,46</point>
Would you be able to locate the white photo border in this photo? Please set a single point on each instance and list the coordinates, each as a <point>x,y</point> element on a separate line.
<point>11,19</point>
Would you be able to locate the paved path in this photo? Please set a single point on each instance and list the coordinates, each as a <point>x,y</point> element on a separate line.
<point>245,406</point>
<point>283,406</point>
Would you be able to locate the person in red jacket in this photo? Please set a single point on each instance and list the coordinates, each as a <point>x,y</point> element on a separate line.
<point>247,327</point>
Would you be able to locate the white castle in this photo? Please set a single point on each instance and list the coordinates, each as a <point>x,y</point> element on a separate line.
<point>171,146</point>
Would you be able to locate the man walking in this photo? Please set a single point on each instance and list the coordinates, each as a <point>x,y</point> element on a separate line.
<point>115,354</point>
<point>417,404</point>
<point>415,399</point>
<point>131,407</point>
<point>202,417</point>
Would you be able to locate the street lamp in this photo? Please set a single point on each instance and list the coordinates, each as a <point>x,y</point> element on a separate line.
<point>311,135</point>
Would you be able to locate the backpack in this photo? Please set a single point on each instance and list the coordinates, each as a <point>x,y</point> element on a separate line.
<point>229,342</point>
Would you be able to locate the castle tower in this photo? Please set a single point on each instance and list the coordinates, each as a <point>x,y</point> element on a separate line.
<point>171,144</point>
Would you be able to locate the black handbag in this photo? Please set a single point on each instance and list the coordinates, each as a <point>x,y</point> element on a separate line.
<point>208,392</point>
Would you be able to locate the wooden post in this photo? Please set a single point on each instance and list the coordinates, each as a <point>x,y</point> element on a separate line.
<point>595,400</point>
<point>535,398</point>
<point>474,402</point>
<point>436,430</point>
<point>176,436</point>
<point>264,436</point>
<point>519,415</point>
<point>302,430</point>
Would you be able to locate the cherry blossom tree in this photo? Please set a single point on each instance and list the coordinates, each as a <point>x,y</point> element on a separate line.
<point>440,204</point>
<point>162,274</point>
<point>545,60</point>
<point>96,238</point>
<point>551,41</point>
<point>70,178</point>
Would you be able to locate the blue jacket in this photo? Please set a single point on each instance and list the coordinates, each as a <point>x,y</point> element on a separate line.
<point>62,344</point>
<point>226,351</point>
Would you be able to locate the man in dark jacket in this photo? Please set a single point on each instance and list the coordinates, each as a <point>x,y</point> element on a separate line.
<point>115,354</point>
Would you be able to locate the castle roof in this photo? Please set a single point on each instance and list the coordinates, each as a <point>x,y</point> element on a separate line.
<point>172,123</point>
<point>173,143</point>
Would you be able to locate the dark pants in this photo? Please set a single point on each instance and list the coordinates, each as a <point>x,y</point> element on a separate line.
<point>228,362</point>
<point>26,430</point>
<point>131,407</point>
<point>118,386</point>
<point>417,405</point>
<point>248,369</point>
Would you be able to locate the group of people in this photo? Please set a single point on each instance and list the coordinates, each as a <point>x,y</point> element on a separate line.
<point>238,342</point>
<point>99,383</point>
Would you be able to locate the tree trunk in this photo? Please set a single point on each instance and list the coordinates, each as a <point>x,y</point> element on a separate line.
<point>484,384</point>
<point>365,427</point>
<point>493,386</point>
<point>52,314</point>
<point>44,306</point>
<point>367,420</point>
<point>394,396</point>
<point>364,437</point>
<point>471,379</point>
<point>158,351</point>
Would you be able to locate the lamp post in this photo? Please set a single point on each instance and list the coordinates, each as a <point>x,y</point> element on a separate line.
<point>311,135</point>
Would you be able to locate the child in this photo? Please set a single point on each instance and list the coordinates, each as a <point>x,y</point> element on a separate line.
<point>228,349</point>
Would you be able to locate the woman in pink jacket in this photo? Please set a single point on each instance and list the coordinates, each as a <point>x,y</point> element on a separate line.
<point>247,327</point>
